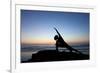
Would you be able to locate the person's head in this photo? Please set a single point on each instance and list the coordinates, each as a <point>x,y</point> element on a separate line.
<point>56,37</point>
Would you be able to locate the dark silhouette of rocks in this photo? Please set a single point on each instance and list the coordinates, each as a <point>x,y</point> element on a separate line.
<point>53,55</point>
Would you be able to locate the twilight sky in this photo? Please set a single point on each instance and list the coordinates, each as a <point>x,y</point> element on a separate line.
<point>37,27</point>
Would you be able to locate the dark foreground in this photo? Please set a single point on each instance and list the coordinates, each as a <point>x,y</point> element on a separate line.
<point>53,55</point>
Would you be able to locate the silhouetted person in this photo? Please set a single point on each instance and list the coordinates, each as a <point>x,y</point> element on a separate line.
<point>61,43</point>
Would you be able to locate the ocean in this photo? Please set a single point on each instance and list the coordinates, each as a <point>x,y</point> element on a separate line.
<point>28,50</point>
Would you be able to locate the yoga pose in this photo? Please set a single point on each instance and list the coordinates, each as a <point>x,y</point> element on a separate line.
<point>61,43</point>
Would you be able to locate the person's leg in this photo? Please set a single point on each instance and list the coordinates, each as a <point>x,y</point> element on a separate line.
<point>77,51</point>
<point>68,47</point>
<point>71,48</point>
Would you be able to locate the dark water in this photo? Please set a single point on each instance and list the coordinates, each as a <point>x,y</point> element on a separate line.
<point>28,50</point>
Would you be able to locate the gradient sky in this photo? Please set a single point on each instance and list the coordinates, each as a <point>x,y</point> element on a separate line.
<point>37,27</point>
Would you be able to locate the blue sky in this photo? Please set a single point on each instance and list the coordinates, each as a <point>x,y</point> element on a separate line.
<point>37,27</point>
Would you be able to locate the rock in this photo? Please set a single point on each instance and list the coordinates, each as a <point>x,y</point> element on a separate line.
<point>53,55</point>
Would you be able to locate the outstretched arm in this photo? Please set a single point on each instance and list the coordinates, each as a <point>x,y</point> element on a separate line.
<point>58,32</point>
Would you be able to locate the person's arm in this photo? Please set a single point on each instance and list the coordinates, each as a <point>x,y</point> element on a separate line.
<point>56,46</point>
<point>58,32</point>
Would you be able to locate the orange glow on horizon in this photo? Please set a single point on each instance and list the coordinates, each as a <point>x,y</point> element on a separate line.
<point>51,41</point>
<point>38,41</point>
